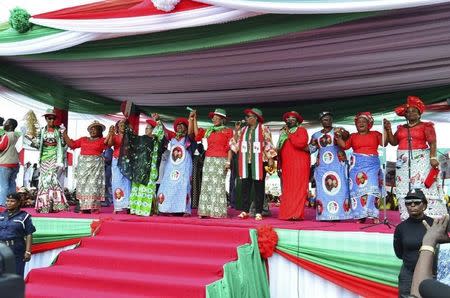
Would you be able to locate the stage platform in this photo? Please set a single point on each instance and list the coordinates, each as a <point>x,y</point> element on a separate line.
<point>309,223</point>
<point>179,256</point>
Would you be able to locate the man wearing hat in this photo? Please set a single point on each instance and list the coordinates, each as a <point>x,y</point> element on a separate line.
<point>294,162</point>
<point>330,172</point>
<point>9,160</point>
<point>253,143</point>
<point>408,237</point>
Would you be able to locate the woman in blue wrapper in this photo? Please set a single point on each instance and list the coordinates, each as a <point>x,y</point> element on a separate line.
<point>174,194</point>
<point>365,175</point>
<point>332,198</point>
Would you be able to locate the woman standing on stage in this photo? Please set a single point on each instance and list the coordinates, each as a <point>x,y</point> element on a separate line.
<point>174,194</point>
<point>139,161</point>
<point>366,176</point>
<point>121,185</point>
<point>330,174</point>
<point>416,156</point>
<point>213,197</point>
<point>50,196</point>
<point>90,172</point>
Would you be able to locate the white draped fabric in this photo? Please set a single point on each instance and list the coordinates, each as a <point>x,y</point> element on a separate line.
<point>319,6</point>
<point>288,280</point>
<point>49,43</point>
<point>45,259</point>
<point>148,24</point>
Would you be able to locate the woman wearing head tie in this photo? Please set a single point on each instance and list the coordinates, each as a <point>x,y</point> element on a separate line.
<point>416,157</point>
<point>331,172</point>
<point>365,176</point>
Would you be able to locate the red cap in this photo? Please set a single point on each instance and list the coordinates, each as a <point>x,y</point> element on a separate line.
<point>180,120</point>
<point>293,114</point>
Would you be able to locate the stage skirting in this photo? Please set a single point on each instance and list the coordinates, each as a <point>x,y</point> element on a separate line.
<point>304,263</point>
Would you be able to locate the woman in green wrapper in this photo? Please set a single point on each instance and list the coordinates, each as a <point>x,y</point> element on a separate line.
<point>139,161</point>
<point>213,198</point>
<point>50,196</point>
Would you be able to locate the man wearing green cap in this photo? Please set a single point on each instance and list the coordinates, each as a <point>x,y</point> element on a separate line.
<point>253,143</point>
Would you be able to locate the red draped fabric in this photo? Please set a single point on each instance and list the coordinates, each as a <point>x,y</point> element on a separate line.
<point>116,9</point>
<point>363,287</point>
<point>37,248</point>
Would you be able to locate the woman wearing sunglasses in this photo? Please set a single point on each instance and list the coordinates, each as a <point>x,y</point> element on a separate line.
<point>50,143</point>
<point>408,238</point>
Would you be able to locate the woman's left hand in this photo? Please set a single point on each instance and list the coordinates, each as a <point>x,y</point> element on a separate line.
<point>434,163</point>
<point>227,166</point>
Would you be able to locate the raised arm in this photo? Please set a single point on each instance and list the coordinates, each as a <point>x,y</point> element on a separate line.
<point>435,234</point>
<point>109,140</point>
<point>193,125</point>
<point>388,135</point>
<point>66,139</point>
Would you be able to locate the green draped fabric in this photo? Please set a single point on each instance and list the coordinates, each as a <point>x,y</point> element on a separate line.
<point>366,255</point>
<point>245,277</point>
<point>197,38</point>
<point>7,34</point>
<point>310,109</point>
<point>56,229</point>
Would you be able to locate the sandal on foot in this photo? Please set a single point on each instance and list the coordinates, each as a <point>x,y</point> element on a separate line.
<point>243,215</point>
<point>258,217</point>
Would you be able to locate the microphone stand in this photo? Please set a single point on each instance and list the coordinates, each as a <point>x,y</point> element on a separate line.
<point>385,220</point>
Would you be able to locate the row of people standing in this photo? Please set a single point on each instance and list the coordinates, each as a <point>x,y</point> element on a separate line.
<point>355,189</point>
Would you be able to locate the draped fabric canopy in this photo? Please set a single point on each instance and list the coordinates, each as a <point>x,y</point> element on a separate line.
<point>340,62</point>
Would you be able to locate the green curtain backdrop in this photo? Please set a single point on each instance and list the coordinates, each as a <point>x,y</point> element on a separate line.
<point>341,107</point>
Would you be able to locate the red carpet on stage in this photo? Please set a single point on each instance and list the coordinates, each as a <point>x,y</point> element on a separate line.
<point>140,259</point>
<point>233,221</point>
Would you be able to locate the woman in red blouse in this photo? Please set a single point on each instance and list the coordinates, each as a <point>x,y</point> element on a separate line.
<point>365,177</point>
<point>90,171</point>
<point>213,198</point>
<point>416,156</point>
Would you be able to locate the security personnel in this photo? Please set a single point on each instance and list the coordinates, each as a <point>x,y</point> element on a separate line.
<point>16,231</point>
